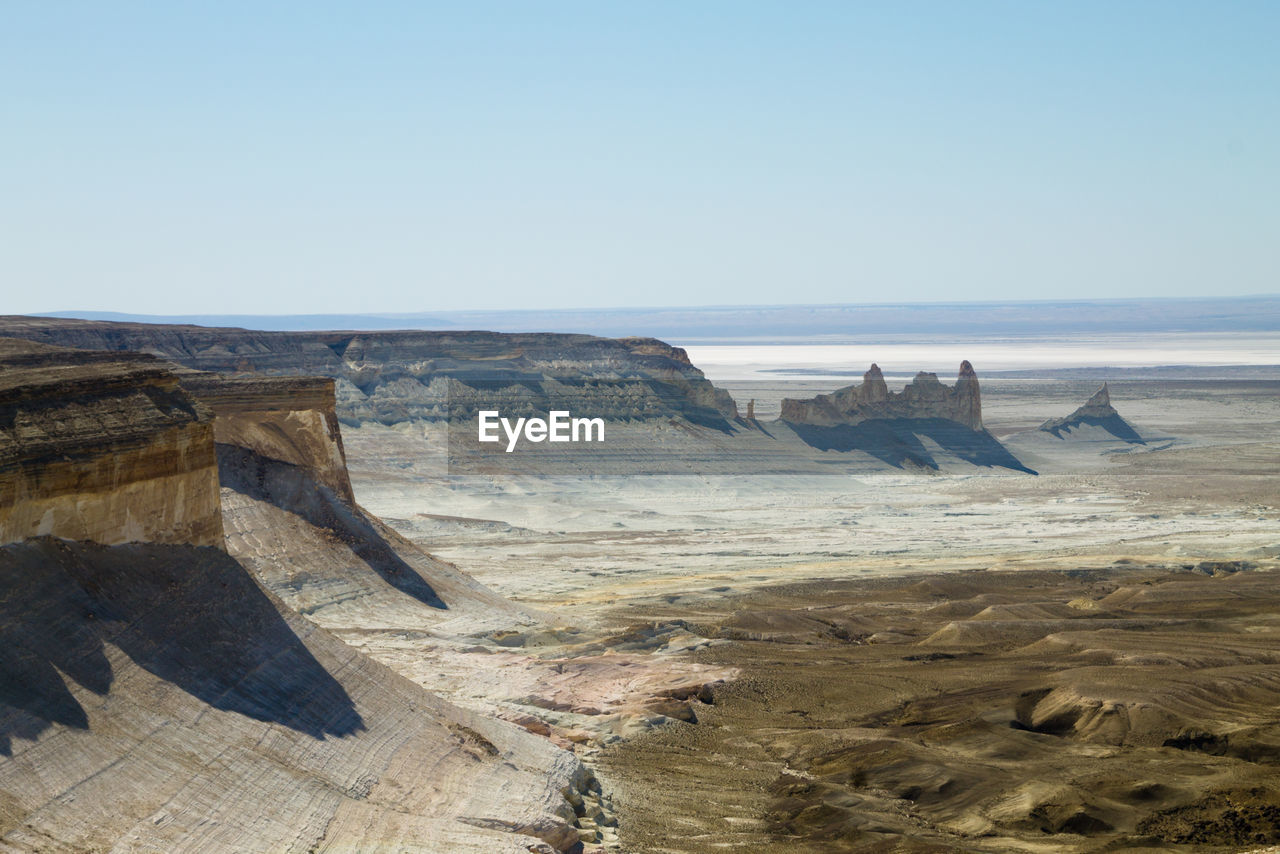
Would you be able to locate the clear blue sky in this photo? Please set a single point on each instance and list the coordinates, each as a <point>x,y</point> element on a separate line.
<point>283,157</point>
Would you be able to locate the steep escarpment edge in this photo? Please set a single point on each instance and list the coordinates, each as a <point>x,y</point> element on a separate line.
<point>396,376</point>
<point>289,419</point>
<point>106,447</point>
<point>183,660</point>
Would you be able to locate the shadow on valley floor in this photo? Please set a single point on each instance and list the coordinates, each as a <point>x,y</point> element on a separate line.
<point>899,442</point>
<point>1113,424</point>
<point>191,616</point>
<point>292,488</point>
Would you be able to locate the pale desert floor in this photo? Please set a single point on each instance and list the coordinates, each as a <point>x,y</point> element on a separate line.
<point>693,557</point>
<point>1203,486</point>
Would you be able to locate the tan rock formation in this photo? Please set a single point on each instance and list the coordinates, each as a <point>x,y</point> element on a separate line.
<point>156,695</point>
<point>1101,400</point>
<point>968,397</point>
<point>923,398</point>
<point>289,419</point>
<point>874,389</point>
<point>104,447</point>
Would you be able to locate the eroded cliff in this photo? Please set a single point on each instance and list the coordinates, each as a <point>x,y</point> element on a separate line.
<point>292,420</point>
<point>392,377</point>
<point>921,427</point>
<point>924,397</point>
<point>422,391</point>
<point>159,693</point>
<point>105,447</point>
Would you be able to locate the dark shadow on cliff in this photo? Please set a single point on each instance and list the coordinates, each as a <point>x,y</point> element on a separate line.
<point>898,442</point>
<point>191,616</point>
<point>292,488</point>
<point>1113,424</point>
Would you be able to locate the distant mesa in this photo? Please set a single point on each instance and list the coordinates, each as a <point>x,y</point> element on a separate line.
<point>397,376</point>
<point>646,387</point>
<point>1096,412</point>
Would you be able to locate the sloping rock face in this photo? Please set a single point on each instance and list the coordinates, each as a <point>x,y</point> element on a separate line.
<point>157,695</point>
<point>1097,411</point>
<point>924,398</point>
<point>391,377</point>
<point>291,420</point>
<point>155,698</point>
<point>106,447</point>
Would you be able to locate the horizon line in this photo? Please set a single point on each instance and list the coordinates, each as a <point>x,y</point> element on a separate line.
<point>641,308</point>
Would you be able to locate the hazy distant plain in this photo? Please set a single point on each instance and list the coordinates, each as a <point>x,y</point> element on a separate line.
<point>905,355</point>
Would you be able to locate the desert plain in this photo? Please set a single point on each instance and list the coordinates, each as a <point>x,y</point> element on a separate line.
<point>777,609</point>
<point>970,659</point>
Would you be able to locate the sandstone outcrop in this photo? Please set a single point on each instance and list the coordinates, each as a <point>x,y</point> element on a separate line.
<point>1096,412</point>
<point>906,428</point>
<point>288,419</point>
<point>155,691</point>
<point>923,398</point>
<point>106,447</point>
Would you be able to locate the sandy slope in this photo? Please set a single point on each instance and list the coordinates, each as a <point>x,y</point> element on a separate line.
<point>559,687</point>
<point>200,714</point>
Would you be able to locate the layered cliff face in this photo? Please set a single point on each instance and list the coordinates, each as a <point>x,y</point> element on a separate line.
<point>159,695</point>
<point>392,377</point>
<point>105,447</point>
<point>292,420</point>
<point>923,398</point>
<point>664,416</point>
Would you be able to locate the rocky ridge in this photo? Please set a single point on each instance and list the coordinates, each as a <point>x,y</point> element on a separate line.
<point>664,415</point>
<point>398,376</point>
<point>917,427</point>
<point>923,397</point>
